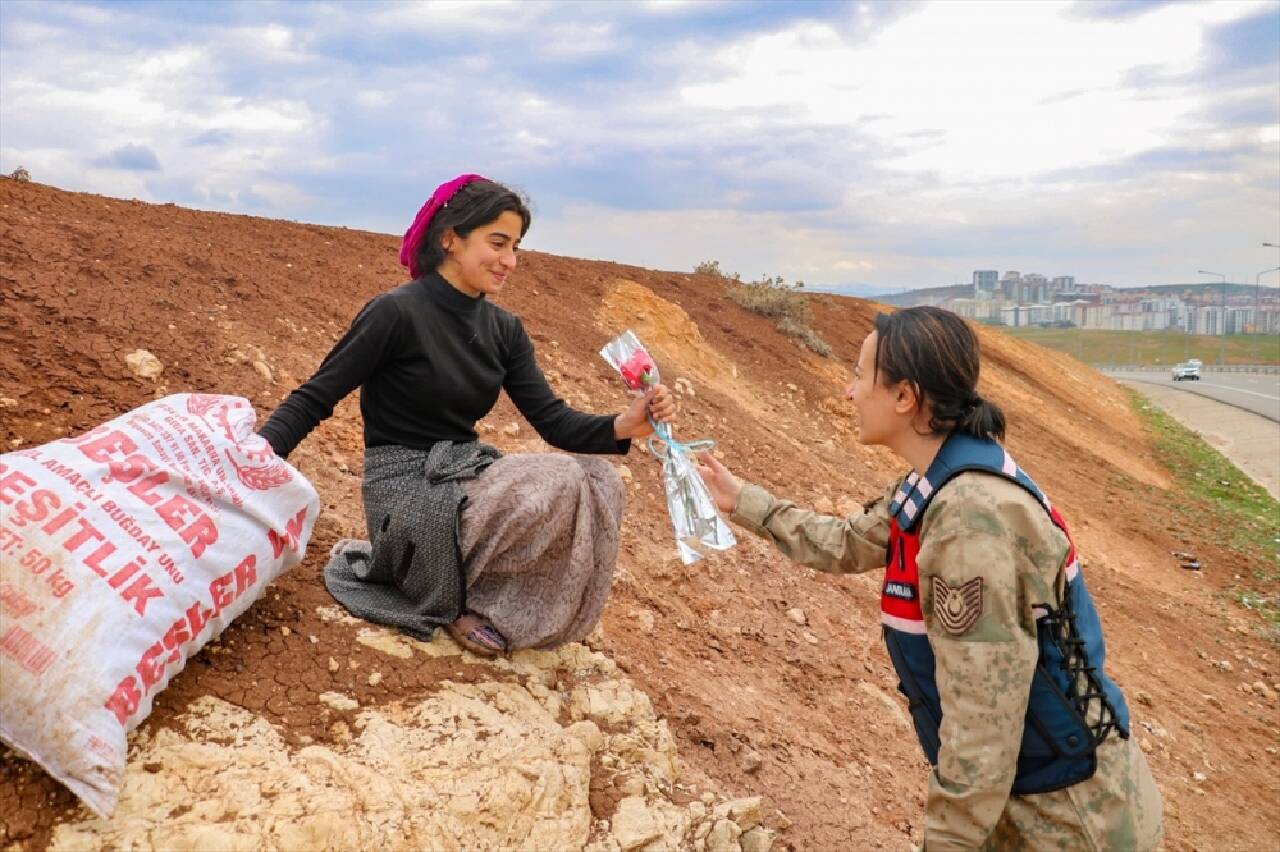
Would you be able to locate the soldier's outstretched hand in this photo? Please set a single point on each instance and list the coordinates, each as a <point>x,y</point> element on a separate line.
<point>722,484</point>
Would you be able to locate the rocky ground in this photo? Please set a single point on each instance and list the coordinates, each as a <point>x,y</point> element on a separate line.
<point>744,676</point>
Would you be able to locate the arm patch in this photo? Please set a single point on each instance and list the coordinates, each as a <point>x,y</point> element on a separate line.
<point>957,608</point>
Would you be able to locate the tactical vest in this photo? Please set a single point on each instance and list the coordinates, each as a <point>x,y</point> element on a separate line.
<point>1069,686</point>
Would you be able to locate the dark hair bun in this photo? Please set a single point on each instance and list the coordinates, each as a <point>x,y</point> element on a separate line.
<point>937,353</point>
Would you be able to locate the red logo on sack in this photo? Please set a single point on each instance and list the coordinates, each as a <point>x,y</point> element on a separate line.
<point>263,470</point>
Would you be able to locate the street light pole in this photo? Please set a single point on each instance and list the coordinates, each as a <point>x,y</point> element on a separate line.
<point>1222,320</point>
<point>1257,289</point>
<point>1257,295</point>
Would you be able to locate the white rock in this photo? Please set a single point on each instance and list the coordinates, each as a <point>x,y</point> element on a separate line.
<point>724,837</point>
<point>634,825</point>
<point>472,766</point>
<point>143,364</point>
<point>1155,729</point>
<point>338,701</point>
<point>609,701</point>
<point>633,786</point>
<point>589,733</point>
<point>758,839</point>
<point>393,644</point>
<point>797,615</point>
<point>745,812</point>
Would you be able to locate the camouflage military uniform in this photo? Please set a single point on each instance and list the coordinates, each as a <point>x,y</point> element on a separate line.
<point>980,525</point>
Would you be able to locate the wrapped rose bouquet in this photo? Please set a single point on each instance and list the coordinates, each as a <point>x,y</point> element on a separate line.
<point>697,524</point>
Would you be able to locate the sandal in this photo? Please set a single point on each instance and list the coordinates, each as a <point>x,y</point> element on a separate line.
<point>477,635</point>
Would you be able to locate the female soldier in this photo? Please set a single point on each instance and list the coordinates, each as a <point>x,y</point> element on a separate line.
<point>507,552</point>
<point>988,623</point>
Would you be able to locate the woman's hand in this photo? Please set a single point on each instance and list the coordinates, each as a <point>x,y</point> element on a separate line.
<point>632,423</point>
<point>722,484</point>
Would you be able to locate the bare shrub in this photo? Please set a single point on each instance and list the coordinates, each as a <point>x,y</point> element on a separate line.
<point>712,267</point>
<point>785,304</point>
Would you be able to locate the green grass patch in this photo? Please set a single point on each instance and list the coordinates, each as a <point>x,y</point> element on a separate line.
<point>1225,500</point>
<point>1164,348</point>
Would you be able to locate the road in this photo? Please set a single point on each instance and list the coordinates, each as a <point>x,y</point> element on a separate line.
<point>1250,440</point>
<point>1255,392</point>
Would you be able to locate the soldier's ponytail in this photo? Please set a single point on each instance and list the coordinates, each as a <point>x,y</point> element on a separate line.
<point>937,353</point>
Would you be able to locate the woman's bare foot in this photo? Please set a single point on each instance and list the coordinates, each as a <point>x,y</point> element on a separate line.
<point>477,635</point>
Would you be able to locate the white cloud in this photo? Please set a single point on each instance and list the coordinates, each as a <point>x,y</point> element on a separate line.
<point>576,39</point>
<point>910,143</point>
<point>161,99</point>
<point>475,15</point>
<point>999,89</point>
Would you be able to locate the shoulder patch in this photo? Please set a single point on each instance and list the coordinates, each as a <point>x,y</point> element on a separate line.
<point>957,608</point>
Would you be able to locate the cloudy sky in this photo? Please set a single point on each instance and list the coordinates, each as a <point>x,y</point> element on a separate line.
<point>886,144</point>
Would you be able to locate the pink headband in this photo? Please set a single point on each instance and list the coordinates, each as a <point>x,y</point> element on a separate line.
<point>413,236</point>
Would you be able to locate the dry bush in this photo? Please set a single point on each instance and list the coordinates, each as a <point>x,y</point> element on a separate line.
<point>783,303</point>
<point>712,267</point>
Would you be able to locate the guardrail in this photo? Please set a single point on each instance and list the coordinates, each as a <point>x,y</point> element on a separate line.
<point>1204,368</point>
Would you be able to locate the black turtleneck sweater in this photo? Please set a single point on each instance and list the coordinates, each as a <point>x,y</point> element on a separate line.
<point>429,362</point>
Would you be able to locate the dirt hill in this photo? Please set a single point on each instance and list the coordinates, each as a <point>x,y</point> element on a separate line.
<point>299,727</point>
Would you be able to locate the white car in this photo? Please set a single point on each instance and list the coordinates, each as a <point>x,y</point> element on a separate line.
<point>1186,371</point>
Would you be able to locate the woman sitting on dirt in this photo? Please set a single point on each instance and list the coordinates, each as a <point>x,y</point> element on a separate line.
<point>506,552</point>
<point>985,613</point>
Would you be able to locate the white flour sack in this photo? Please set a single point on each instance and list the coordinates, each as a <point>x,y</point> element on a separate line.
<point>122,551</point>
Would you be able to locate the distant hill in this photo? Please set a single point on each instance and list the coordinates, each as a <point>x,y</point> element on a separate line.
<point>927,294</point>
<point>861,291</point>
<point>1195,287</point>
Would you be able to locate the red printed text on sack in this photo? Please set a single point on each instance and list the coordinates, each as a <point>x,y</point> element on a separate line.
<point>291,537</point>
<point>29,652</point>
<point>78,537</point>
<point>126,465</point>
<point>172,647</point>
<point>13,602</point>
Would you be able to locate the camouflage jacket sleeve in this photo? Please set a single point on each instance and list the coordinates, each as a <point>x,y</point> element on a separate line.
<point>987,549</point>
<point>835,545</point>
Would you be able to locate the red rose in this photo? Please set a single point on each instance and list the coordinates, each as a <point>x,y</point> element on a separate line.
<point>639,371</point>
